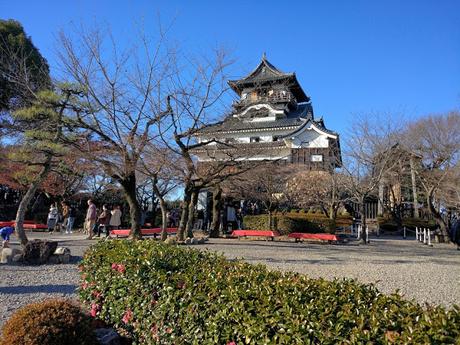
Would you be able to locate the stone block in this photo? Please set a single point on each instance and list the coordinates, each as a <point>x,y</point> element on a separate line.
<point>65,259</point>
<point>38,251</point>
<point>17,257</point>
<point>7,256</point>
<point>54,259</point>
<point>62,251</point>
<point>108,336</point>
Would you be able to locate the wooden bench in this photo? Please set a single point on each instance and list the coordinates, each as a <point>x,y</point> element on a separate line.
<point>144,232</point>
<point>255,233</point>
<point>331,238</point>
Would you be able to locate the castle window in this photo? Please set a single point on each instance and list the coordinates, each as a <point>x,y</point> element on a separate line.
<point>254,139</point>
<point>275,138</point>
<point>316,158</point>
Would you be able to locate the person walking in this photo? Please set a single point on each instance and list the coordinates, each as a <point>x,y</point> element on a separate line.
<point>70,219</point>
<point>90,219</point>
<point>115,219</point>
<point>53,216</point>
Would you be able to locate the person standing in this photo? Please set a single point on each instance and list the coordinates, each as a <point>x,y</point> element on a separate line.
<point>90,219</point>
<point>65,215</point>
<point>115,219</point>
<point>103,221</point>
<point>70,219</point>
<point>53,215</point>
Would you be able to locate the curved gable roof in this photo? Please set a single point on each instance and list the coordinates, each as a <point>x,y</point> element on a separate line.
<point>266,72</point>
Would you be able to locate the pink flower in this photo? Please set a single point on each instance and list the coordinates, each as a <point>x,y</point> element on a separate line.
<point>128,315</point>
<point>119,267</point>
<point>94,309</point>
<point>84,285</point>
<point>231,343</point>
<point>180,284</point>
<point>169,330</point>
<point>96,294</point>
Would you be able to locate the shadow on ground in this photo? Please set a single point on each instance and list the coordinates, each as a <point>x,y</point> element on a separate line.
<point>19,290</point>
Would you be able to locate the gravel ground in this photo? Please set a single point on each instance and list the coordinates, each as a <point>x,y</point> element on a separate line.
<point>24,284</point>
<point>428,275</point>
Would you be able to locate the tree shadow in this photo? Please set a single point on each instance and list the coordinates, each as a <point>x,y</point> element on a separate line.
<point>67,289</point>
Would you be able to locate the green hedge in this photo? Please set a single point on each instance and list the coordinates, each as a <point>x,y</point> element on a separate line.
<point>162,294</point>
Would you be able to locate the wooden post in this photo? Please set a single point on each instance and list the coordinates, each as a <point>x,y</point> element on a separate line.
<point>404,234</point>
<point>424,235</point>
<point>429,238</point>
<point>367,234</point>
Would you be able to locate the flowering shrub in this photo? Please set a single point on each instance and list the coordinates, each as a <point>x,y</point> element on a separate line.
<point>175,295</point>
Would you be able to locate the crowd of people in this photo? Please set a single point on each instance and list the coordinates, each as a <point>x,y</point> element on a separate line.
<point>97,222</point>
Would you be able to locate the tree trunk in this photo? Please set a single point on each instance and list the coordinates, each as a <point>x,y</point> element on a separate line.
<point>184,214</point>
<point>129,187</point>
<point>269,219</point>
<point>436,215</point>
<point>332,219</point>
<point>25,201</point>
<point>414,186</point>
<point>164,219</point>
<point>216,208</point>
<point>362,212</point>
<point>191,213</point>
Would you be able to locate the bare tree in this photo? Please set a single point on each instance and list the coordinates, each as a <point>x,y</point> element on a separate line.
<point>369,156</point>
<point>436,140</point>
<point>265,183</point>
<point>123,98</point>
<point>196,102</point>
<point>327,190</point>
<point>164,170</point>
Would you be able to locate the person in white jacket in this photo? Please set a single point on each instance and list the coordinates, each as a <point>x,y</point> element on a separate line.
<point>115,219</point>
<point>53,216</point>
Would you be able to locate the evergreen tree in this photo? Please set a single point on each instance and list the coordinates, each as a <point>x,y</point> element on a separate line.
<point>23,70</point>
<point>42,147</point>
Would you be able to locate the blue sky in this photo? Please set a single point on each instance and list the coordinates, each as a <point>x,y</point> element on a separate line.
<point>351,57</point>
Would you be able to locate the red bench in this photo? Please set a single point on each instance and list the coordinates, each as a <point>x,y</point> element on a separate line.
<point>28,225</point>
<point>255,233</point>
<point>153,231</point>
<point>319,237</point>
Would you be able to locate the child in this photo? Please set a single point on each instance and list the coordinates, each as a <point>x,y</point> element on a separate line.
<point>6,233</point>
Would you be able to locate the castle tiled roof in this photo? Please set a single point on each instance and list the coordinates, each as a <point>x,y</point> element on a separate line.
<point>264,73</point>
<point>294,118</point>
